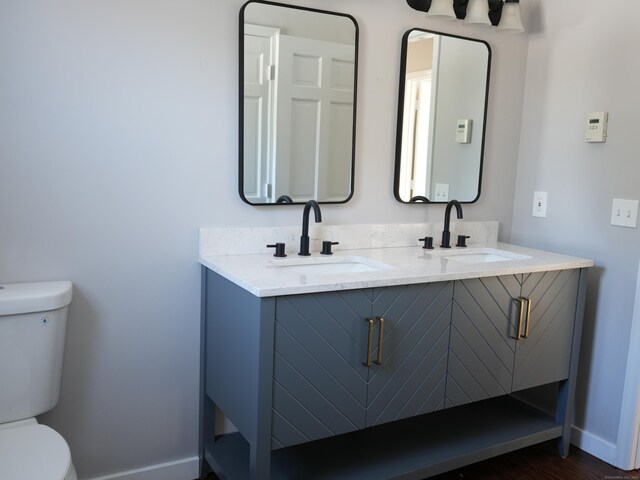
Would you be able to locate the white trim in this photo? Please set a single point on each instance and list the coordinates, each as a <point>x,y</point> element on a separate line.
<point>596,446</point>
<point>629,427</point>
<point>185,469</point>
<point>260,30</point>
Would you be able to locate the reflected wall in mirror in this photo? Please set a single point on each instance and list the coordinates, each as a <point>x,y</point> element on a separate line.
<point>298,71</point>
<point>444,84</point>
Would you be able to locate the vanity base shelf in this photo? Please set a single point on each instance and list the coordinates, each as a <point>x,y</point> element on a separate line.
<point>415,448</point>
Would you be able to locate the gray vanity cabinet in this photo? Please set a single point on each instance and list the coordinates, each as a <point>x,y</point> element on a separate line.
<point>290,373</point>
<point>545,355</point>
<point>411,378</point>
<point>321,383</point>
<point>487,357</point>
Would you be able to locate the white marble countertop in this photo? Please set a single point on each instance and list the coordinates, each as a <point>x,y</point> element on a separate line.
<point>266,276</point>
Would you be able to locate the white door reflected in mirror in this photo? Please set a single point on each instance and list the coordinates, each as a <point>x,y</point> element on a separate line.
<point>297,90</point>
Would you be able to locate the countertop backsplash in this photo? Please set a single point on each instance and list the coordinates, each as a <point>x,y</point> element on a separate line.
<point>248,241</point>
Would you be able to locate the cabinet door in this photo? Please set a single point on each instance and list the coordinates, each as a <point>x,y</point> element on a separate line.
<point>319,380</point>
<point>483,327</point>
<point>411,378</point>
<point>543,357</point>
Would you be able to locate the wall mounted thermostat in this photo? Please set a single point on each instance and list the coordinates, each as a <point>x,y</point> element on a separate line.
<point>463,130</point>
<point>597,127</point>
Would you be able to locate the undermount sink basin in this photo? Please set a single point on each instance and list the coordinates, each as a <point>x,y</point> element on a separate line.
<point>482,255</point>
<point>322,266</point>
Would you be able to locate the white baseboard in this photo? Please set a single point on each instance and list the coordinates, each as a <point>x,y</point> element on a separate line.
<point>185,469</point>
<point>596,446</point>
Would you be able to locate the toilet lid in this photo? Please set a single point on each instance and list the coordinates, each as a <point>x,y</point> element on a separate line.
<point>33,452</point>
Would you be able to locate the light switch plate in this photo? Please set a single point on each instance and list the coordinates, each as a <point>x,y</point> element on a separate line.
<point>624,213</point>
<point>442,192</point>
<point>539,204</point>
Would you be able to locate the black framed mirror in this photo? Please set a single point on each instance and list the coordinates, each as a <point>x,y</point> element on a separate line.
<point>442,112</point>
<point>298,85</point>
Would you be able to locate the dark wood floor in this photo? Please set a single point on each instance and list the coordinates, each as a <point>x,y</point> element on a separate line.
<point>540,462</point>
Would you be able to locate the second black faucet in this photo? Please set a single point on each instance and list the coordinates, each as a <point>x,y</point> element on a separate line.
<point>446,234</point>
<point>304,239</point>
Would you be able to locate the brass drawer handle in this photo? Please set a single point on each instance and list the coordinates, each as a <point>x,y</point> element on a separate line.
<point>528,317</point>
<point>367,363</point>
<point>524,315</point>
<point>521,301</point>
<point>380,339</point>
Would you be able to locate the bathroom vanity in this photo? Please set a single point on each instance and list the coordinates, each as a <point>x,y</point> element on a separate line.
<point>387,362</point>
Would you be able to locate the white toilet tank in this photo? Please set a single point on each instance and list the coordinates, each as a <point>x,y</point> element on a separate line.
<point>33,322</point>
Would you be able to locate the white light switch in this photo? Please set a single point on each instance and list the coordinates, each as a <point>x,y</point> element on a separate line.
<point>442,192</point>
<point>539,204</point>
<point>624,213</point>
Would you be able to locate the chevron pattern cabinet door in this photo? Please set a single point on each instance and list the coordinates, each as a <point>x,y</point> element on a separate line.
<point>482,349</point>
<point>411,379</point>
<point>544,356</point>
<point>319,380</point>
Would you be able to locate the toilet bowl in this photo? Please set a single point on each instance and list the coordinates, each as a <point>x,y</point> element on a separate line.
<point>33,318</point>
<point>30,451</point>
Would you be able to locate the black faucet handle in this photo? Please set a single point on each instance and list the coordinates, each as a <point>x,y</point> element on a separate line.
<point>326,247</point>
<point>462,241</point>
<point>279,249</point>
<point>428,243</point>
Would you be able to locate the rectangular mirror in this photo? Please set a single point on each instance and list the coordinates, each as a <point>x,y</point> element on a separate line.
<point>442,108</point>
<point>298,71</point>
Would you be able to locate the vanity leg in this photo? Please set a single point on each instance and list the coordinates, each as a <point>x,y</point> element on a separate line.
<point>564,415</point>
<point>260,462</point>
<point>566,397</point>
<point>207,432</point>
<point>260,444</point>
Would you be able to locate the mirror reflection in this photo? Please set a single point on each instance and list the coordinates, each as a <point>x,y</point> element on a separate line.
<point>444,83</point>
<point>297,96</point>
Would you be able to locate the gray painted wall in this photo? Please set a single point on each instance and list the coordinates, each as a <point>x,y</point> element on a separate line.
<point>581,60</point>
<point>118,141</point>
<point>461,86</point>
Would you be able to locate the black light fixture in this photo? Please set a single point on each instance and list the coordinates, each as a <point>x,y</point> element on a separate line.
<point>505,14</point>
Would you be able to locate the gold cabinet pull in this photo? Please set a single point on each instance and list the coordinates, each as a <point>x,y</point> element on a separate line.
<point>370,321</point>
<point>520,318</point>
<point>380,339</point>
<point>527,317</point>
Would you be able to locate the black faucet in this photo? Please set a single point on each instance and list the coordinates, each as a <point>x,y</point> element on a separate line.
<point>284,199</point>
<point>446,234</point>
<point>304,239</point>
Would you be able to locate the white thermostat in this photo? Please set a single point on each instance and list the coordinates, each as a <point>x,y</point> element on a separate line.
<point>463,130</point>
<point>597,127</point>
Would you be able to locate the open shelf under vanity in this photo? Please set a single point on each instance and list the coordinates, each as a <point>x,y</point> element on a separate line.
<point>413,448</point>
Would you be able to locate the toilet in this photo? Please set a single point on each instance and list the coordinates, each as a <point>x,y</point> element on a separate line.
<point>33,321</point>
